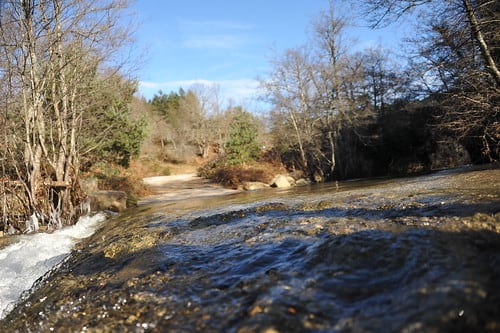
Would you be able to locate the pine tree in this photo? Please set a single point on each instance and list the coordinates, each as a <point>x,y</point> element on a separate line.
<point>242,146</point>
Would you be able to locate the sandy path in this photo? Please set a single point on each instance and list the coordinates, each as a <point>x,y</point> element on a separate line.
<point>181,187</point>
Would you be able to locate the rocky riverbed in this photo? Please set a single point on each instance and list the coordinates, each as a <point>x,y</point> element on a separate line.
<point>418,254</point>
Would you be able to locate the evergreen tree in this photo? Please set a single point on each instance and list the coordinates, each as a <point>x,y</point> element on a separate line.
<point>242,146</point>
<point>113,135</point>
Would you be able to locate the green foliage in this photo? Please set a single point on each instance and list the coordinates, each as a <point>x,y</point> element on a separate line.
<point>242,145</point>
<point>167,104</point>
<point>115,136</point>
<point>125,143</point>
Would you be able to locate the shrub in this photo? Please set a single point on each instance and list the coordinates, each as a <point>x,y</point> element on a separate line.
<point>233,176</point>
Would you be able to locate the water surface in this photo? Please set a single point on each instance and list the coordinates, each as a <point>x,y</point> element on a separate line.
<point>410,255</point>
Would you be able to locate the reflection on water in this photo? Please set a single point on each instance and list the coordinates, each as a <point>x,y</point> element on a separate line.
<point>414,255</point>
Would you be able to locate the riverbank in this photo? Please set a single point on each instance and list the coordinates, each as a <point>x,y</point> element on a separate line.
<point>178,187</point>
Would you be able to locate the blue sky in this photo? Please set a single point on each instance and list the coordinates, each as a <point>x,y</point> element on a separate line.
<point>225,42</point>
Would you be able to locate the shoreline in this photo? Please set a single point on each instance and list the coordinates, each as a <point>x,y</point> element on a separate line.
<point>165,189</point>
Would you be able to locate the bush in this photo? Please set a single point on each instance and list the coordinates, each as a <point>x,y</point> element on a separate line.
<point>232,176</point>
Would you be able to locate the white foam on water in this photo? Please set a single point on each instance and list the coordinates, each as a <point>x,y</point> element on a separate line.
<point>25,261</point>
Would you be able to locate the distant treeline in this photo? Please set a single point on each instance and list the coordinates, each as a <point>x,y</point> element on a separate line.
<point>337,114</point>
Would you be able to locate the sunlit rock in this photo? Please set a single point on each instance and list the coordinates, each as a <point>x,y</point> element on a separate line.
<point>282,181</point>
<point>253,186</point>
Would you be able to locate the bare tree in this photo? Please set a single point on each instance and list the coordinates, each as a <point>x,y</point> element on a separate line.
<point>383,79</point>
<point>479,17</point>
<point>202,106</point>
<point>457,58</point>
<point>317,91</point>
<point>54,50</point>
<point>289,88</point>
<point>313,101</point>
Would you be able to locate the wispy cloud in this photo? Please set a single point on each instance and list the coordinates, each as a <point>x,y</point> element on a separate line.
<point>238,90</point>
<point>212,25</point>
<point>213,34</point>
<point>216,41</point>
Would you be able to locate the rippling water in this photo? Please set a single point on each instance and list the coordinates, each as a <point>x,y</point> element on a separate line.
<point>414,255</point>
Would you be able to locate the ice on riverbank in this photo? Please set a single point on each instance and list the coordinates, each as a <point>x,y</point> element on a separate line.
<point>23,262</point>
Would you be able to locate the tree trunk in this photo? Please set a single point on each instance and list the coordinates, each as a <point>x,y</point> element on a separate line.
<point>478,35</point>
<point>299,140</point>
<point>33,112</point>
<point>332,147</point>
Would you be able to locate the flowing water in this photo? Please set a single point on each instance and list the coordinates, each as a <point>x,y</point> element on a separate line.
<point>409,255</point>
<point>31,256</point>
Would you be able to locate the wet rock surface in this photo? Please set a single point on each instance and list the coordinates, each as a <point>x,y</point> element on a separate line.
<point>410,255</point>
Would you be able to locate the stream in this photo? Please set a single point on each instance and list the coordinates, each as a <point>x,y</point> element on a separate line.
<point>418,254</point>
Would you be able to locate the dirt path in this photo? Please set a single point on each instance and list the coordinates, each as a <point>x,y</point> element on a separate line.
<point>181,187</point>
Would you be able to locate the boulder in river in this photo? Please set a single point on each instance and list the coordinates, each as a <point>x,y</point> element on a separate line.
<point>282,181</point>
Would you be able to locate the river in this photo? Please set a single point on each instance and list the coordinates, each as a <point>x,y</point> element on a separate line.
<point>419,254</point>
